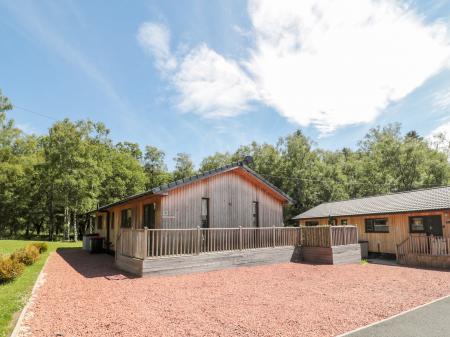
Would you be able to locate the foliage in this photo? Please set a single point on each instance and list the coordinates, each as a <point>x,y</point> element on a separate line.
<point>27,256</point>
<point>10,269</point>
<point>48,183</point>
<point>184,167</point>
<point>41,246</point>
<point>216,160</point>
<point>13,295</point>
<point>155,167</point>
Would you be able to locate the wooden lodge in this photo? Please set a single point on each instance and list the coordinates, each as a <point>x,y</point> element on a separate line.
<point>230,196</point>
<point>414,226</point>
<point>226,217</point>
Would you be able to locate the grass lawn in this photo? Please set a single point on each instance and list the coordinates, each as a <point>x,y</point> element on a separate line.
<point>14,295</point>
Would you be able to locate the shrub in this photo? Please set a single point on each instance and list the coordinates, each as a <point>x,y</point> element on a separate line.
<point>41,246</point>
<point>27,255</point>
<point>10,269</point>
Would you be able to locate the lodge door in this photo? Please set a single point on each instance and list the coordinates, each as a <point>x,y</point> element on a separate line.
<point>149,216</point>
<point>433,225</point>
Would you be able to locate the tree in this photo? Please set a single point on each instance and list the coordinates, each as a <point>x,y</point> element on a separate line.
<point>215,161</point>
<point>130,148</point>
<point>155,167</point>
<point>184,167</point>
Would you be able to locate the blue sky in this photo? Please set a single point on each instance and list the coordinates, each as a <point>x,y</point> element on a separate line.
<point>204,76</point>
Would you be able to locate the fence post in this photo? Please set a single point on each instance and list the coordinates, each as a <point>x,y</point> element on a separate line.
<point>240,237</point>
<point>197,248</point>
<point>273,233</point>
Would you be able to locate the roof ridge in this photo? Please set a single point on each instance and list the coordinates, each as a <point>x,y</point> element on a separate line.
<point>199,175</point>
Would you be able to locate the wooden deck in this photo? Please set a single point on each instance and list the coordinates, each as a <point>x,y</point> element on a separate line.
<point>175,251</point>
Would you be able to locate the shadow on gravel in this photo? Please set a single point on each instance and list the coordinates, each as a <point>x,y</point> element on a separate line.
<point>92,265</point>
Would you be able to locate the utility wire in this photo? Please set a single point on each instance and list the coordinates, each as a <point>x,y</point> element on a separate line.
<point>34,112</point>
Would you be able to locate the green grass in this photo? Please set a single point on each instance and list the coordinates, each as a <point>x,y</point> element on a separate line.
<point>14,295</point>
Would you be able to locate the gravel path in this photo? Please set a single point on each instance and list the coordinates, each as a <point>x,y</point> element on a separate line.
<point>84,295</point>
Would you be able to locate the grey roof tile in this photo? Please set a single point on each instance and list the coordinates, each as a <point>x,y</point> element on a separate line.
<point>416,200</point>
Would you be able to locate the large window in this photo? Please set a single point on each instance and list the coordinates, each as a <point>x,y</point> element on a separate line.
<point>311,223</point>
<point>377,225</point>
<point>255,214</point>
<point>416,225</point>
<point>99,222</point>
<point>126,215</point>
<point>205,213</point>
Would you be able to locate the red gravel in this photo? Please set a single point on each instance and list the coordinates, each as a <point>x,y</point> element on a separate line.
<point>84,295</point>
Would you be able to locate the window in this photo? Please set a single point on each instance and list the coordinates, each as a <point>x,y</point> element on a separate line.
<point>149,216</point>
<point>311,223</point>
<point>99,222</point>
<point>344,222</point>
<point>255,214</point>
<point>332,222</point>
<point>126,218</point>
<point>111,220</point>
<point>377,226</point>
<point>205,213</point>
<point>416,225</point>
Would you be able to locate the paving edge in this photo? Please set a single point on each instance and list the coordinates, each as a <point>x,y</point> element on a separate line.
<point>394,316</point>
<point>37,284</point>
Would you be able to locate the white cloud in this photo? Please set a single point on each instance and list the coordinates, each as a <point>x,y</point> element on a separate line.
<point>443,129</point>
<point>155,39</point>
<point>213,86</point>
<point>439,138</point>
<point>208,84</point>
<point>441,100</point>
<point>327,64</point>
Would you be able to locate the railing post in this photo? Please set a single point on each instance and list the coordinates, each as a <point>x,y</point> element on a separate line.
<point>146,242</point>
<point>273,233</point>
<point>331,236</point>
<point>197,248</point>
<point>240,237</point>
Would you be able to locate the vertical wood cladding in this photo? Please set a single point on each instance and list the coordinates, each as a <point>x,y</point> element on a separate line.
<point>230,194</point>
<point>398,228</point>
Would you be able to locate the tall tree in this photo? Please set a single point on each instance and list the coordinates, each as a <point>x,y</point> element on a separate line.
<point>184,167</point>
<point>155,167</point>
<point>214,161</point>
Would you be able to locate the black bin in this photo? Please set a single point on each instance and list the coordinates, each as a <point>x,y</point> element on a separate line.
<point>96,245</point>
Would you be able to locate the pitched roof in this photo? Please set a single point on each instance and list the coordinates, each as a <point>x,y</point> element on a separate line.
<point>417,200</point>
<point>181,182</point>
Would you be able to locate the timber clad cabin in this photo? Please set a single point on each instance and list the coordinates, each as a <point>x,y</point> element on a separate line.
<point>223,218</point>
<point>414,225</point>
<point>227,197</point>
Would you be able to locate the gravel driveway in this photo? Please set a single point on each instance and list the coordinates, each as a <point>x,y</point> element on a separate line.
<point>83,295</point>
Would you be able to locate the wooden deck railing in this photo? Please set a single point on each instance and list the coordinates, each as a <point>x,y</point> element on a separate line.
<point>328,236</point>
<point>143,243</point>
<point>152,243</point>
<point>423,245</point>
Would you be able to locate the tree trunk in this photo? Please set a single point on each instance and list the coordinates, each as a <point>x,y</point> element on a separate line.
<point>27,230</point>
<point>75,227</point>
<point>66,224</point>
